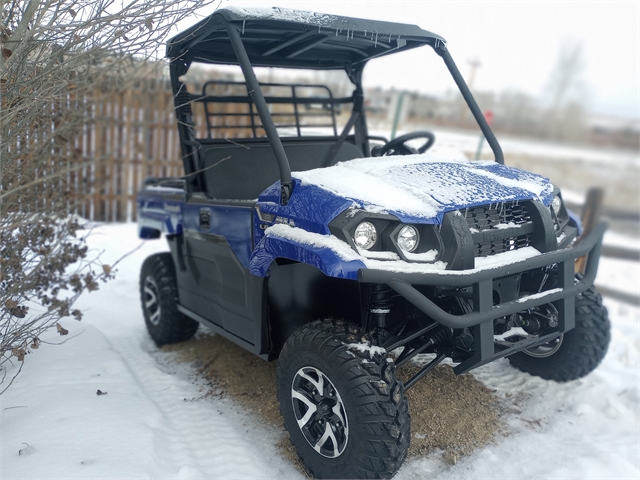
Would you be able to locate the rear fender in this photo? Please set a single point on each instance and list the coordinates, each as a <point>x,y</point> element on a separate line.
<point>158,215</point>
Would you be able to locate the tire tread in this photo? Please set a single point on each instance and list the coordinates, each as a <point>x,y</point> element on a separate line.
<point>174,327</point>
<point>583,348</point>
<point>371,386</point>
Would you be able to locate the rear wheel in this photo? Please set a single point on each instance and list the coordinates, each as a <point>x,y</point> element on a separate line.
<point>576,353</point>
<point>343,407</point>
<point>159,297</point>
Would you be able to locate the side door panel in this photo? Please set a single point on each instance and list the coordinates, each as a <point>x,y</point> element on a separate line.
<point>217,238</point>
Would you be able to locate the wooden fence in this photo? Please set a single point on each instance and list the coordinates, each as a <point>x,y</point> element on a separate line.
<point>129,134</point>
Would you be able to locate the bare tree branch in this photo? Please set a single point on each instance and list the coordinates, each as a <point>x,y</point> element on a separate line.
<point>58,59</point>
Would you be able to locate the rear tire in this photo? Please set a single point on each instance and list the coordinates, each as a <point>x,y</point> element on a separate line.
<point>344,409</point>
<point>581,349</point>
<point>159,297</point>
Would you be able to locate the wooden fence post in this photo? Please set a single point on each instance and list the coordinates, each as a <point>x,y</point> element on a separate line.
<point>590,217</point>
<point>99,108</point>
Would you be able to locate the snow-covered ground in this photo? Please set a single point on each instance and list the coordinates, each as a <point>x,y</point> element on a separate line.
<point>468,141</point>
<point>154,423</point>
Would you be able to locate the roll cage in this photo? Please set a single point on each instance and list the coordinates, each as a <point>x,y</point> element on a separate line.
<point>296,39</point>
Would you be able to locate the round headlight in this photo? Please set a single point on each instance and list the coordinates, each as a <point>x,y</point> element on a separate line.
<point>365,235</point>
<point>408,238</point>
<point>556,204</point>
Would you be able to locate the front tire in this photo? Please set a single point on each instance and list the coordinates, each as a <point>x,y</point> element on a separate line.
<point>344,408</point>
<point>159,297</point>
<point>576,353</point>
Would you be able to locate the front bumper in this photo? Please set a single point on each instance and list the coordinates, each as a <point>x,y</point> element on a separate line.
<point>484,311</point>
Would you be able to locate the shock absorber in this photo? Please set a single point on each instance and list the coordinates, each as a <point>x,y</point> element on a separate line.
<point>379,304</point>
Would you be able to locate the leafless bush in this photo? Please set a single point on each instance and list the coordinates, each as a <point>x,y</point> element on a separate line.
<point>53,55</point>
<point>565,118</point>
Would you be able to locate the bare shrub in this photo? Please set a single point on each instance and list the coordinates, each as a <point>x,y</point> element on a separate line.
<point>53,56</point>
<point>565,118</point>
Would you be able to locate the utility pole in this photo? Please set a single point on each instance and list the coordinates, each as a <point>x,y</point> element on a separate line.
<point>474,64</point>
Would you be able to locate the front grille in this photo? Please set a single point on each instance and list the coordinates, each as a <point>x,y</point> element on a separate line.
<point>486,217</point>
<point>507,244</point>
<point>489,217</point>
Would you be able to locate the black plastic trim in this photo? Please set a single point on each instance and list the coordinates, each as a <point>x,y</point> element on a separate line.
<point>345,224</point>
<point>428,239</point>
<point>458,241</point>
<point>543,237</point>
<point>225,333</point>
<point>203,197</point>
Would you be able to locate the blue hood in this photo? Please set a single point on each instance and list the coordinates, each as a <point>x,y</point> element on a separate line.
<point>421,188</point>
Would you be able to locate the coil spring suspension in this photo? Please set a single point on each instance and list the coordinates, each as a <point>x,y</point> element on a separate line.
<point>379,304</point>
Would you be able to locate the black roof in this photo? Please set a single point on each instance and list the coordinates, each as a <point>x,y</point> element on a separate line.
<point>279,37</point>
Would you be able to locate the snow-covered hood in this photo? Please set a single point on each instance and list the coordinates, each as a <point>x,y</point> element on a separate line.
<point>421,188</point>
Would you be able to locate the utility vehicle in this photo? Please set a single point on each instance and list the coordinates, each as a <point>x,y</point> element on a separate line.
<point>344,255</point>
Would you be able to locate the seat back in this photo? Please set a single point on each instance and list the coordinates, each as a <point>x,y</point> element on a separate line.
<point>242,172</point>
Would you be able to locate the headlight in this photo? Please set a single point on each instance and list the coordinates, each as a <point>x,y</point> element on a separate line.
<point>408,238</point>
<point>556,204</point>
<point>365,235</point>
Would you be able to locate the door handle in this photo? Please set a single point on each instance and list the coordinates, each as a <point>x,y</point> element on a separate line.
<point>205,219</point>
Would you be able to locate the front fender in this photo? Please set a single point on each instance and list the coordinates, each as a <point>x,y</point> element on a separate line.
<point>325,259</point>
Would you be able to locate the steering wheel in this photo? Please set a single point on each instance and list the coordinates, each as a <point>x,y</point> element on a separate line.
<point>397,145</point>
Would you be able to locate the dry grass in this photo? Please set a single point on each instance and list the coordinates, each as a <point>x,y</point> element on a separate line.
<point>453,413</point>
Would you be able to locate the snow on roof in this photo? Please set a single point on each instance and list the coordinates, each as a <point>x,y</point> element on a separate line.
<point>284,14</point>
<point>317,19</point>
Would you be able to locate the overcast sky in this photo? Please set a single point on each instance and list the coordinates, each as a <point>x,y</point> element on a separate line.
<point>517,43</point>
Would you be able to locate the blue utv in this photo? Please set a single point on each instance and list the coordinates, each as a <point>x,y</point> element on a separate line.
<point>344,255</point>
